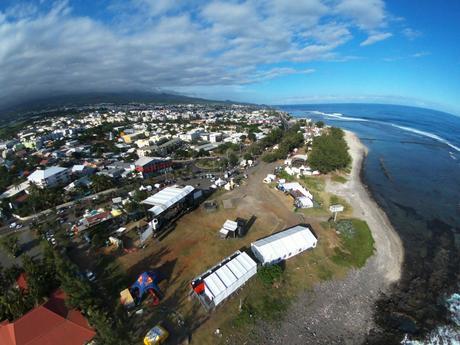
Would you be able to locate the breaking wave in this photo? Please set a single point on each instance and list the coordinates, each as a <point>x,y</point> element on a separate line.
<point>428,135</point>
<point>340,117</point>
<point>443,335</point>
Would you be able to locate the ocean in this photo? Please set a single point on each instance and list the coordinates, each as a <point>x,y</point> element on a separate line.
<point>413,172</point>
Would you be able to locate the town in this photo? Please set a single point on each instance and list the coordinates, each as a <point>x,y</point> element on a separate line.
<point>149,220</point>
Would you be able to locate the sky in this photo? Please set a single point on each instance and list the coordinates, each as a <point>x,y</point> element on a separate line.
<point>261,51</point>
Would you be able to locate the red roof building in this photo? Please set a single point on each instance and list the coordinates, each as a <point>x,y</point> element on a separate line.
<point>51,323</point>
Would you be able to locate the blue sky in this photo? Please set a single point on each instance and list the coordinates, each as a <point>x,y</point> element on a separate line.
<point>264,51</point>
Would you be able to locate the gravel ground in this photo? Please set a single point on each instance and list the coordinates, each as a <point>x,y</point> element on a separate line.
<point>341,311</point>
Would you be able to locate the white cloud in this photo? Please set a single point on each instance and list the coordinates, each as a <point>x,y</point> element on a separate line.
<point>367,14</point>
<point>421,54</point>
<point>376,37</point>
<point>411,34</point>
<point>173,44</point>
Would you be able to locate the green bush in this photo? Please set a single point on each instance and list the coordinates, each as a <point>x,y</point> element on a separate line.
<point>270,274</point>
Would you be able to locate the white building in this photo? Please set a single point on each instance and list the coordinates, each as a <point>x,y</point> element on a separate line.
<point>50,177</point>
<point>284,244</point>
<point>218,283</point>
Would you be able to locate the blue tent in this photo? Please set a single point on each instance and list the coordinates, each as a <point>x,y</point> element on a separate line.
<point>145,282</point>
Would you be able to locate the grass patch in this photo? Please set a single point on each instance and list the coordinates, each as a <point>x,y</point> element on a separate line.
<point>357,244</point>
<point>325,273</point>
<point>284,175</point>
<point>313,183</point>
<point>268,275</point>
<point>207,164</point>
<point>338,178</point>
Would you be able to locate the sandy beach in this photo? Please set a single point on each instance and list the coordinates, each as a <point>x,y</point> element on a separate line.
<point>389,255</point>
<point>341,311</point>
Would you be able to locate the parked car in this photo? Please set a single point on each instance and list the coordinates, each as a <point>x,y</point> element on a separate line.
<point>90,275</point>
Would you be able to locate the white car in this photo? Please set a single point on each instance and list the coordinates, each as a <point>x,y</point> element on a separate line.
<point>12,225</point>
<point>90,275</point>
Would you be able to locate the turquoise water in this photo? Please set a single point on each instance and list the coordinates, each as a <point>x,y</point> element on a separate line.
<point>413,172</point>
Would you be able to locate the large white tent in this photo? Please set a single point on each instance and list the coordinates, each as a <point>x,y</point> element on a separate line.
<point>166,198</point>
<point>225,278</point>
<point>284,245</point>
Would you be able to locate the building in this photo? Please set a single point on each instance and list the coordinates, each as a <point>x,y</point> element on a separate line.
<point>168,198</point>
<point>284,244</point>
<point>128,138</point>
<point>49,323</point>
<point>50,177</point>
<point>149,166</point>
<point>222,280</point>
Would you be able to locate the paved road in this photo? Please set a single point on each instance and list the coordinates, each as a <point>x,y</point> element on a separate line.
<point>26,221</point>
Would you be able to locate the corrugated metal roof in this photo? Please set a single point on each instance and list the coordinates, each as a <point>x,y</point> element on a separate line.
<point>166,198</point>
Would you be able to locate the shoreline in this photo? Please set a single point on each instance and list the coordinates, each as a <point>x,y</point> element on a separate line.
<point>388,245</point>
<point>341,311</point>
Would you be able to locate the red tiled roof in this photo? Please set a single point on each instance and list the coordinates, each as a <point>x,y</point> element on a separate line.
<point>49,324</point>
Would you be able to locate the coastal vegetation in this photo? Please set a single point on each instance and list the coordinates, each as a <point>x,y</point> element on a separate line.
<point>289,139</point>
<point>329,152</point>
<point>357,244</point>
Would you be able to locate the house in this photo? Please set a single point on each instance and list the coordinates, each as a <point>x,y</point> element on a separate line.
<point>80,169</point>
<point>284,244</point>
<point>49,323</point>
<point>50,177</point>
<point>149,166</point>
<point>170,145</point>
<point>147,150</point>
<point>128,138</point>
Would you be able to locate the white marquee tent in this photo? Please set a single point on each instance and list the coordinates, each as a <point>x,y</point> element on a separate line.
<point>284,245</point>
<point>225,278</point>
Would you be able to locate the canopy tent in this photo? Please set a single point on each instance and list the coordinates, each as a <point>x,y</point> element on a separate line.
<point>146,282</point>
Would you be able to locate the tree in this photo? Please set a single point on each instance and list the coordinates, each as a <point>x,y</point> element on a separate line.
<point>252,136</point>
<point>247,156</point>
<point>329,152</point>
<point>11,245</point>
<point>232,159</point>
<point>319,124</point>
<point>101,182</point>
<point>40,278</point>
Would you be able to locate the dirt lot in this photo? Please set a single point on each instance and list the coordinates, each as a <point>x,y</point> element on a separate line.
<point>195,246</point>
